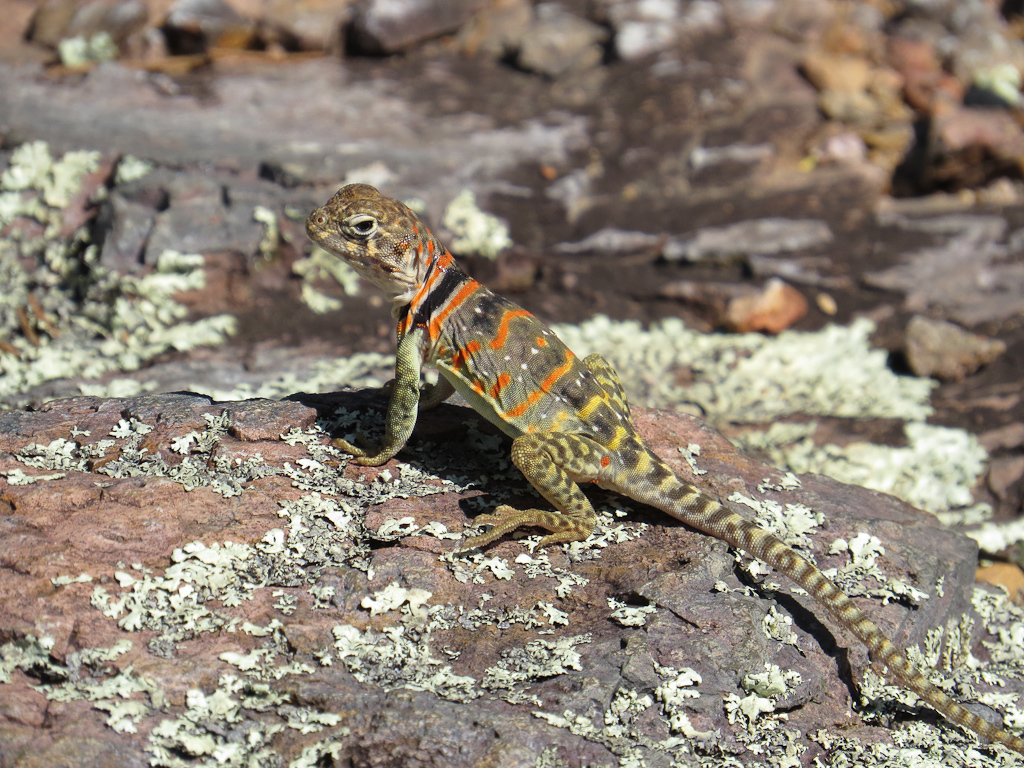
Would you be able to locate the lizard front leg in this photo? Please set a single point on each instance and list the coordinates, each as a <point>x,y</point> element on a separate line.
<point>553,463</point>
<point>431,395</point>
<point>402,407</point>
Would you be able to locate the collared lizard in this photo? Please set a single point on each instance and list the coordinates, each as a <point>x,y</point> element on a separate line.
<point>568,418</point>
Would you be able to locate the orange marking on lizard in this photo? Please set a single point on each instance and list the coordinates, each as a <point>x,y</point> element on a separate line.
<point>499,339</point>
<point>499,384</point>
<point>464,293</point>
<point>558,373</point>
<point>523,407</point>
<point>424,289</point>
<point>460,357</point>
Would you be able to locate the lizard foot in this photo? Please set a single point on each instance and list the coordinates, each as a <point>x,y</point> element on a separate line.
<point>506,519</point>
<point>368,458</point>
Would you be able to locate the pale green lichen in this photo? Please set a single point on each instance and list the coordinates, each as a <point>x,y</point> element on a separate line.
<point>475,232</point>
<point>997,537</point>
<point>18,477</point>
<point>630,615</point>
<point>131,168</point>
<point>85,675</point>
<point>400,657</point>
<point>763,690</point>
<point>750,378</point>
<point>621,730</point>
<point>677,689</point>
<point>33,169</point>
<point>864,550</point>
<point>214,729</point>
<point>324,527</point>
<point>61,314</point>
<point>935,471</point>
<point>204,585</point>
<point>323,265</point>
<point>539,659</point>
<point>394,597</point>
<point>365,369</point>
<point>1004,80</point>
<point>270,240</point>
<point>80,51</point>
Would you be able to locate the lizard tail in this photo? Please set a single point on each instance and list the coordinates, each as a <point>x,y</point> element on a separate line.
<point>705,514</point>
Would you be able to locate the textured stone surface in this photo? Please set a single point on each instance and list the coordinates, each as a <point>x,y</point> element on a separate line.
<point>126,514</point>
<point>389,26</point>
<point>946,351</point>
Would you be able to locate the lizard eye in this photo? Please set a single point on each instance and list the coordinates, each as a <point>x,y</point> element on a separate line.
<point>362,225</point>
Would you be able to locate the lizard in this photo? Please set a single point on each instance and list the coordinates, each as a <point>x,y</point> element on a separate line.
<point>568,418</point>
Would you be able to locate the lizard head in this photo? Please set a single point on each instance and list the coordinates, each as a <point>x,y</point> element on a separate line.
<point>379,237</point>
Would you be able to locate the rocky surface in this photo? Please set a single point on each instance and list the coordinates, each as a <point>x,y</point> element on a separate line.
<point>739,164</point>
<point>217,584</point>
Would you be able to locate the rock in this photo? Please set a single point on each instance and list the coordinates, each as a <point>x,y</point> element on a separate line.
<point>574,192</point>
<point>946,351</point>
<point>740,307</point>
<point>1003,438</point>
<point>928,88</point>
<point>123,229</point>
<point>189,212</point>
<point>982,42</point>
<point>645,27</point>
<point>389,26</point>
<point>321,126</point>
<point>612,240</point>
<point>497,29</point>
<point>194,26</point>
<point>761,236</point>
<point>559,42</point>
<point>854,107</point>
<point>309,25</point>
<point>832,72</point>
<point>57,20</point>
<point>968,278</point>
<point>176,571</point>
<point>636,39</point>
<point>969,147</point>
<point>1007,575</point>
<point>845,147</point>
<point>1004,473</point>
<point>772,310</point>
<point>706,157</point>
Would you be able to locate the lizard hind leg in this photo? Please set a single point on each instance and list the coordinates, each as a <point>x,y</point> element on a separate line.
<point>432,395</point>
<point>552,463</point>
<point>609,381</point>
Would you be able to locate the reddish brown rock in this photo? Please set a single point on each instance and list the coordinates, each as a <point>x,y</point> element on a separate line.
<point>330,625</point>
<point>773,310</point>
<point>1006,575</point>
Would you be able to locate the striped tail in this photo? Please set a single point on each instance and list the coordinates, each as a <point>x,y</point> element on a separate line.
<point>707,515</point>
